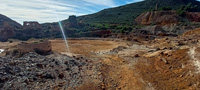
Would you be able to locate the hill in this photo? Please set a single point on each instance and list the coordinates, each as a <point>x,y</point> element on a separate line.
<point>9,21</point>
<point>127,13</point>
<point>102,24</point>
<point>7,27</point>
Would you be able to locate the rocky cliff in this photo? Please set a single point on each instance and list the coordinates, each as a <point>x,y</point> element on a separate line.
<point>158,17</point>
<point>165,18</point>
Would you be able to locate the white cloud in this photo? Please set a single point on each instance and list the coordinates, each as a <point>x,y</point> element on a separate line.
<point>133,1</point>
<point>110,3</point>
<point>37,10</point>
<point>44,10</point>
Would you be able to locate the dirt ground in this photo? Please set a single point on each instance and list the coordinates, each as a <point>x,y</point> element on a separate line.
<point>161,64</point>
<point>6,45</point>
<point>84,47</point>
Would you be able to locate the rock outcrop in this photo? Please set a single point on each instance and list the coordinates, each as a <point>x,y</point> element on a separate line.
<point>31,25</point>
<point>155,30</point>
<point>72,22</point>
<point>165,18</point>
<point>193,16</point>
<point>158,18</point>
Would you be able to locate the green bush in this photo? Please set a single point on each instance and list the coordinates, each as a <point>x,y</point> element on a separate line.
<point>165,8</point>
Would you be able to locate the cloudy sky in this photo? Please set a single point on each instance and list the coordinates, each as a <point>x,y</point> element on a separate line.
<point>47,10</point>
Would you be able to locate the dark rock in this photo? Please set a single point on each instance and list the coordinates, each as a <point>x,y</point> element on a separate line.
<point>164,48</point>
<point>73,62</point>
<point>157,49</point>
<point>66,63</point>
<point>53,60</point>
<point>137,55</point>
<point>119,48</point>
<point>170,48</point>
<point>39,65</point>
<point>3,79</point>
<point>32,69</point>
<point>32,79</point>
<point>9,70</point>
<point>68,69</point>
<point>61,75</point>
<point>57,63</point>
<point>48,76</point>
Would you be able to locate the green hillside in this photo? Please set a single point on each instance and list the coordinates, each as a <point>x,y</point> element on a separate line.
<point>127,13</point>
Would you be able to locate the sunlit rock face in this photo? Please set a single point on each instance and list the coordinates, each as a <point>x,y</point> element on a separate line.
<point>165,17</point>
<point>157,17</point>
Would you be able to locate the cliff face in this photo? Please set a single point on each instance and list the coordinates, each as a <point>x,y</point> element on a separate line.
<point>165,17</point>
<point>158,18</point>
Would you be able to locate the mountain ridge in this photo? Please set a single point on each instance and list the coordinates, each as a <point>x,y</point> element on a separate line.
<point>126,13</point>
<point>11,22</point>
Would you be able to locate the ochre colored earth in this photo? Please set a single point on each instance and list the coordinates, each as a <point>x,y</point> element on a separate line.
<point>84,47</point>
<point>160,64</point>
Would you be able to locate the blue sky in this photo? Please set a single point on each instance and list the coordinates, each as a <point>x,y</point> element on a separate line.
<point>47,10</point>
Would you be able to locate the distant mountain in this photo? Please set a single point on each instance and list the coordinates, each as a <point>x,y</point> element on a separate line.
<point>127,13</point>
<point>4,19</point>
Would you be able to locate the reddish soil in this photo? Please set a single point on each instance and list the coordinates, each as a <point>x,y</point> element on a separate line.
<point>160,64</point>
<point>169,71</point>
<point>84,47</point>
